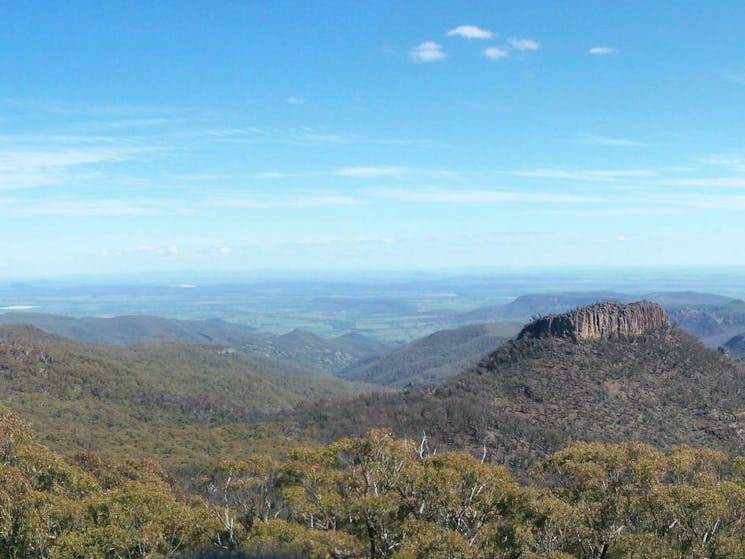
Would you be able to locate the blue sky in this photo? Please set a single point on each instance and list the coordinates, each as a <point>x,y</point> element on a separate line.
<point>233,136</point>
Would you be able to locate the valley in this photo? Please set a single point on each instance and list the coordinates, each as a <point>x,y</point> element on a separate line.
<point>212,388</point>
<point>211,431</point>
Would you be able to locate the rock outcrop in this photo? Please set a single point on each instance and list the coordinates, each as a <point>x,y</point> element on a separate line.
<point>601,320</point>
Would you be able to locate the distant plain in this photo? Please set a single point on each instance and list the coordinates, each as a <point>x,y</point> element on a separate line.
<point>396,307</point>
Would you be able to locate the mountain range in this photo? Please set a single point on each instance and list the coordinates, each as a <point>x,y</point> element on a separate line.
<point>305,348</point>
<point>715,319</point>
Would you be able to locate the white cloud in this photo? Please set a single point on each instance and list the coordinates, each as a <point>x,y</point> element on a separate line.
<point>473,196</point>
<point>25,160</point>
<point>608,141</point>
<point>713,202</point>
<point>292,100</point>
<point>308,137</point>
<point>32,168</point>
<point>470,32</point>
<point>146,250</point>
<point>628,211</point>
<point>584,174</point>
<point>601,51</point>
<point>735,161</point>
<point>428,51</point>
<point>321,200</point>
<point>227,132</point>
<point>21,180</point>
<point>85,208</point>
<point>495,53</point>
<point>370,171</point>
<point>523,44</point>
<point>736,77</point>
<point>135,123</point>
<point>238,203</point>
<point>714,182</point>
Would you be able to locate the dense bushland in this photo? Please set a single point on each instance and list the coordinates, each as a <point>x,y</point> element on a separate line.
<point>377,497</point>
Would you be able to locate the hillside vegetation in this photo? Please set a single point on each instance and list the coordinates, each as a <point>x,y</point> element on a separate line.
<point>615,373</point>
<point>533,396</point>
<point>373,497</point>
<point>434,358</point>
<point>182,404</point>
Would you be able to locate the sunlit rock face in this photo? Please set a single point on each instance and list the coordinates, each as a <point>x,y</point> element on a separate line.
<point>601,320</point>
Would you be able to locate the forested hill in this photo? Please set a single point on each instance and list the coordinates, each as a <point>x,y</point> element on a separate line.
<point>433,358</point>
<point>534,395</point>
<point>328,355</point>
<point>179,403</point>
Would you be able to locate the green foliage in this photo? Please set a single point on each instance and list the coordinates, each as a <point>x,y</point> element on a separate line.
<point>434,358</point>
<point>375,497</point>
<point>295,540</point>
<point>379,497</point>
<point>51,507</point>
<point>531,398</point>
<point>181,404</point>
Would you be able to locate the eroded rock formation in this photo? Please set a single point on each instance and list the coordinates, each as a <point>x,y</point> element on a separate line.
<point>601,320</point>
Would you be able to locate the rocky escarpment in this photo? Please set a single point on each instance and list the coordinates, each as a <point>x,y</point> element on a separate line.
<point>601,320</point>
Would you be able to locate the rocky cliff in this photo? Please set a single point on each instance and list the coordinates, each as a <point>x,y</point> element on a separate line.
<point>601,320</point>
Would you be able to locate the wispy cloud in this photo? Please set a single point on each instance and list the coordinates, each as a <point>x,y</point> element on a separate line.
<point>736,77</point>
<point>370,171</point>
<point>585,174</point>
<point>84,208</point>
<point>602,51</point>
<point>523,44</point>
<point>731,160</point>
<point>428,51</point>
<point>713,201</point>
<point>228,132</point>
<point>478,196</point>
<point>470,32</point>
<point>168,251</point>
<point>495,53</point>
<point>321,201</point>
<point>25,160</point>
<point>135,123</point>
<point>712,182</point>
<point>21,169</point>
<point>628,211</point>
<point>87,109</point>
<point>298,201</point>
<point>312,137</point>
<point>292,100</point>
<point>610,141</point>
<point>238,203</point>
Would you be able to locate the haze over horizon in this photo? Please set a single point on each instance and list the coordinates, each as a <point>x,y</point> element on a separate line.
<point>226,137</point>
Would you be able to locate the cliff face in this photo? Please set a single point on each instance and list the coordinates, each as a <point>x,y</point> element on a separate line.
<point>601,320</point>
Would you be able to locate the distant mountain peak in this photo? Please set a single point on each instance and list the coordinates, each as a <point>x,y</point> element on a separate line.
<point>600,320</point>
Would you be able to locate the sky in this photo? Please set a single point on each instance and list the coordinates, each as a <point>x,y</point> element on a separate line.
<point>382,135</point>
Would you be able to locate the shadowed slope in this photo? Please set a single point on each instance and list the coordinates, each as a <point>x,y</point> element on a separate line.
<point>434,358</point>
